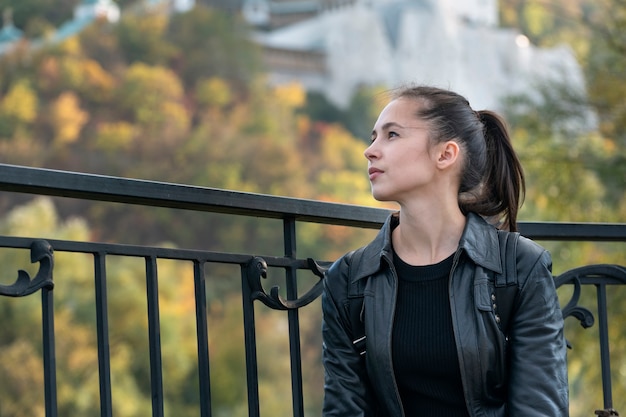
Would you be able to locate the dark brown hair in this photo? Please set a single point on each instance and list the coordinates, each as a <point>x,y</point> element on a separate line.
<point>492,179</point>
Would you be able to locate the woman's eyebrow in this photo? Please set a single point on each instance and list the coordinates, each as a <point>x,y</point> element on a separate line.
<point>390,125</point>
<point>387,126</point>
<point>396,125</point>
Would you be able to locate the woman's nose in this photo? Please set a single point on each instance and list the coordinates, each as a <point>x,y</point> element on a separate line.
<point>371,152</point>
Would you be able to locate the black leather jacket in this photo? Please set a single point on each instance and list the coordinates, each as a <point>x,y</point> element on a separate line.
<point>534,383</point>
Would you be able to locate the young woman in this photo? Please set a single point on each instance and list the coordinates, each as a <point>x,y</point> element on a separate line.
<point>434,345</point>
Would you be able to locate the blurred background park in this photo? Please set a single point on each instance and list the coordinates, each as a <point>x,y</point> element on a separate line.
<point>277,97</point>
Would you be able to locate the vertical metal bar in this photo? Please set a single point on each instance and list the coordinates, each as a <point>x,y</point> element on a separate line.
<point>605,357</point>
<point>252,371</point>
<point>102,328</point>
<point>202,333</point>
<point>289,232</point>
<point>49,356</point>
<point>154,333</point>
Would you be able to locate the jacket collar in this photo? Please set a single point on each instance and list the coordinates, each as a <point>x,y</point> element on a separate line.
<point>479,241</point>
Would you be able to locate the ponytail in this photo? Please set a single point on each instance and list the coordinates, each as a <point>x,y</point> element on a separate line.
<point>504,185</point>
<point>492,180</point>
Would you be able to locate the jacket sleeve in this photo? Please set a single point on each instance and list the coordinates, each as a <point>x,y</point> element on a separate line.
<point>347,392</point>
<point>538,368</point>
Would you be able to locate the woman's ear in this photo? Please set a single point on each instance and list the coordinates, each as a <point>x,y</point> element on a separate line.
<point>448,154</point>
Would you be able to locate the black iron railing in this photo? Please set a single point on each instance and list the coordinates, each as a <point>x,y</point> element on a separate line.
<point>253,269</point>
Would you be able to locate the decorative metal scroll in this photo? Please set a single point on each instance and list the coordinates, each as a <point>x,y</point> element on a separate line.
<point>40,251</point>
<point>582,314</point>
<point>573,276</point>
<point>257,269</point>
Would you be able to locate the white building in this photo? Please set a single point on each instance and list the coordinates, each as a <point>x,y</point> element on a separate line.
<point>447,43</point>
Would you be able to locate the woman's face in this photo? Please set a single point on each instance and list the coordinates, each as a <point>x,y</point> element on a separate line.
<point>401,160</point>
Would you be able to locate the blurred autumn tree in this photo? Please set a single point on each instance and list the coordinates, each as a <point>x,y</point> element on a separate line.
<point>595,30</point>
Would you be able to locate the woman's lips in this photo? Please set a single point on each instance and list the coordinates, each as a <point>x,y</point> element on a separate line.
<point>374,172</point>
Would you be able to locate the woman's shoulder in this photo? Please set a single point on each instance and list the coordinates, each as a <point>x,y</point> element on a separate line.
<point>531,256</point>
<point>529,249</point>
<point>341,267</point>
<point>348,269</point>
<point>338,270</point>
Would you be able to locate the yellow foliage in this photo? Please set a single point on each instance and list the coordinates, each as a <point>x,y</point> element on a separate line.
<point>175,121</point>
<point>340,150</point>
<point>542,202</point>
<point>154,95</point>
<point>349,186</point>
<point>78,73</point>
<point>115,136</point>
<point>538,17</point>
<point>20,103</point>
<point>610,146</point>
<point>292,94</point>
<point>96,77</point>
<point>71,46</point>
<point>151,83</point>
<point>154,24</point>
<point>71,71</point>
<point>40,218</point>
<point>213,92</point>
<point>22,366</point>
<point>67,118</point>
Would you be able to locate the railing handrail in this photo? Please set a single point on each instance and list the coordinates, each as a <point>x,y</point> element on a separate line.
<point>95,187</point>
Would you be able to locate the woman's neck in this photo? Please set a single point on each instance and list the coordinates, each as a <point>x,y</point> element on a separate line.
<point>429,234</point>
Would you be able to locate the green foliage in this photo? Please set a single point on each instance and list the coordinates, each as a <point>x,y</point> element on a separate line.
<point>358,118</point>
<point>213,92</point>
<point>21,397</point>
<point>18,109</point>
<point>153,97</point>
<point>606,76</point>
<point>548,23</point>
<point>36,17</point>
<point>209,43</point>
<point>561,158</point>
<point>141,38</point>
<point>574,172</point>
<point>571,176</point>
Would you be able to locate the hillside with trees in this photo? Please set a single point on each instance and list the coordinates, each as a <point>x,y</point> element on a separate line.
<point>183,98</point>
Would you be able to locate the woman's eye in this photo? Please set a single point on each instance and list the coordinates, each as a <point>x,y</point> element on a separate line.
<point>392,135</point>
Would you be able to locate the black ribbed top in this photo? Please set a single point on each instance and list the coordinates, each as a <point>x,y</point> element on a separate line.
<point>424,352</point>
